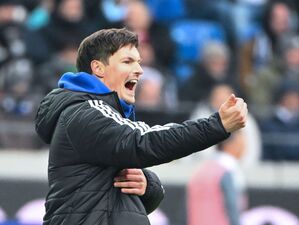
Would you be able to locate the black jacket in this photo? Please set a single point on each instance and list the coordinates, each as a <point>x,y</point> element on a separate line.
<point>91,142</point>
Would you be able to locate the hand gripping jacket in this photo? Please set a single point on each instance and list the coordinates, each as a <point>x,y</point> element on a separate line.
<point>91,141</point>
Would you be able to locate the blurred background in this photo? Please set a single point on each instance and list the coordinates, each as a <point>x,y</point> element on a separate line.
<point>194,54</point>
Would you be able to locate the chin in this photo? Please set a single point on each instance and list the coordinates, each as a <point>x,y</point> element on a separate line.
<point>129,100</point>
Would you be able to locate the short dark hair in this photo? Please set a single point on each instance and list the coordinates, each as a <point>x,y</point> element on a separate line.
<point>103,44</point>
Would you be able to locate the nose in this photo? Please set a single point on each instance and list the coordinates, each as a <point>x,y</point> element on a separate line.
<point>138,69</point>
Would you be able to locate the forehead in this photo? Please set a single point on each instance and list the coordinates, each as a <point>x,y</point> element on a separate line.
<point>127,51</point>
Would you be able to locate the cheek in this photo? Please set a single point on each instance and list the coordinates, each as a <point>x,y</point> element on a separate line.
<point>122,74</point>
<point>117,75</point>
<point>112,76</point>
<point>120,69</point>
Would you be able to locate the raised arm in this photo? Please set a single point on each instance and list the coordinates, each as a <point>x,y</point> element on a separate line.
<point>101,135</point>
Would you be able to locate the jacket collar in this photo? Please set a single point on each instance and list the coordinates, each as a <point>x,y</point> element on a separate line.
<point>84,82</point>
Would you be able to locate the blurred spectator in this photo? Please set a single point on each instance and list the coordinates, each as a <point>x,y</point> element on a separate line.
<point>216,191</point>
<point>12,16</point>
<point>235,16</point>
<point>68,22</point>
<point>281,130</point>
<point>97,12</point>
<point>40,15</point>
<point>48,74</point>
<point>264,84</point>
<point>252,134</point>
<point>114,10</point>
<point>264,48</point>
<point>149,93</point>
<point>189,47</point>
<point>153,92</point>
<point>15,86</point>
<point>16,71</point>
<point>153,37</point>
<point>214,68</point>
<point>102,13</point>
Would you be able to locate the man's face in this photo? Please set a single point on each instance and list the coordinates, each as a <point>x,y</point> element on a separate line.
<point>123,72</point>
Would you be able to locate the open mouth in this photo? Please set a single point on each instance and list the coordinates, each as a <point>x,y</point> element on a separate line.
<point>131,84</point>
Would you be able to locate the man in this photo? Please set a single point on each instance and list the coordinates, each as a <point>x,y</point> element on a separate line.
<point>94,142</point>
<point>216,191</point>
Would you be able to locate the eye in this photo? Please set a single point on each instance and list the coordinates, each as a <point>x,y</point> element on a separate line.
<point>127,61</point>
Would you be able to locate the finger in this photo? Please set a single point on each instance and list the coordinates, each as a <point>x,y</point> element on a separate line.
<point>131,191</point>
<point>125,174</point>
<point>237,108</point>
<point>129,177</point>
<point>239,103</point>
<point>231,100</point>
<point>244,113</point>
<point>233,110</point>
<point>240,113</point>
<point>244,108</point>
<point>128,184</point>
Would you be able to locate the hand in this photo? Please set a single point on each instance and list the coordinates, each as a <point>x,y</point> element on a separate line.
<point>233,113</point>
<point>131,181</point>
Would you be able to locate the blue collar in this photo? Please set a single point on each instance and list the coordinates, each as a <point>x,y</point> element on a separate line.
<point>84,82</point>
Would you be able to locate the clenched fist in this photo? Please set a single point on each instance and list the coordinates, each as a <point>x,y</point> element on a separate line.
<point>233,113</point>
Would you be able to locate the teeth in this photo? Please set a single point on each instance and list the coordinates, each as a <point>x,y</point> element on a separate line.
<point>133,81</point>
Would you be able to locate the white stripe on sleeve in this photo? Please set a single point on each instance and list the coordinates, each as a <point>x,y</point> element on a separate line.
<point>109,113</point>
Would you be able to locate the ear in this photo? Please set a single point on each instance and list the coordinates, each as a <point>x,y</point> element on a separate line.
<point>97,68</point>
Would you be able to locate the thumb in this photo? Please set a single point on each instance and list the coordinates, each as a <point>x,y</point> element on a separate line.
<point>231,101</point>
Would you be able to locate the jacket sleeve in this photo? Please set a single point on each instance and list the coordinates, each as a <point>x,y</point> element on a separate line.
<point>101,136</point>
<point>154,192</point>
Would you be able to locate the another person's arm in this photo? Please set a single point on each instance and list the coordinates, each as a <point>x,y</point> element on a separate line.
<point>230,199</point>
